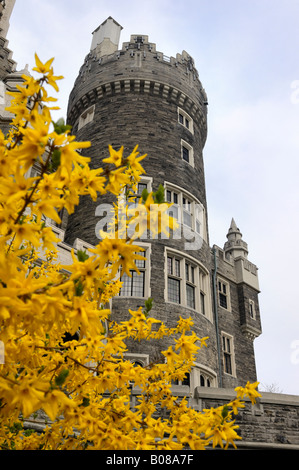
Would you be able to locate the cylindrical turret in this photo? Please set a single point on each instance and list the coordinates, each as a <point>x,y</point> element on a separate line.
<point>138,95</point>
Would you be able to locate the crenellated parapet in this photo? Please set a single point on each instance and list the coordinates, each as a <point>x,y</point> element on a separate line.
<point>138,68</point>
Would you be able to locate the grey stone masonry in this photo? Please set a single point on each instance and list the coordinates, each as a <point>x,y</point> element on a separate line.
<point>270,424</point>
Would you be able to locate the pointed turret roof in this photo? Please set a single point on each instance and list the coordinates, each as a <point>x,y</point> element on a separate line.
<point>233,227</point>
<point>235,246</point>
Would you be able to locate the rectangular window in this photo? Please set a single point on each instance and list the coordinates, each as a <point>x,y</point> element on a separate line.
<point>86,117</point>
<point>190,286</point>
<point>172,197</point>
<point>187,152</point>
<point>228,354</point>
<point>186,283</point>
<point>223,294</point>
<point>132,196</point>
<point>251,309</point>
<point>135,285</point>
<point>202,303</point>
<point>141,187</point>
<point>174,290</point>
<point>132,286</point>
<point>199,219</point>
<point>186,210</point>
<point>174,280</point>
<point>190,296</point>
<point>185,120</point>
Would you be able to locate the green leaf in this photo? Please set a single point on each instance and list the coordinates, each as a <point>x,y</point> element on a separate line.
<point>224,412</point>
<point>85,402</point>
<point>60,379</point>
<point>82,255</point>
<point>148,306</point>
<point>78,288</point>
<point>60,127</point>
<point>55,159</point>
<point>144,194</point>
<point>159,195</point>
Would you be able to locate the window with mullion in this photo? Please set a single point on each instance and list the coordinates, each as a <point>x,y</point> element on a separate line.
<point>182,285</point>
<point>173,198</point>
<point>134,285</point>
<point>185,120</point>
<point>190,286</point>
<point>187,212</point>
<point>223,294</point>
<point>228,355</point>
<point>174,279</point>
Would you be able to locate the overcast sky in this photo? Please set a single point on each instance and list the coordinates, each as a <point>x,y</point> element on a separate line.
<point>246,53</point>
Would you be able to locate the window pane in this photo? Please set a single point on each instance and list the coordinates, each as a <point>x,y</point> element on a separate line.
<point>174,290</point>
<point>173,211</point>
<point>169,265</point>
<point>202,303</point>
<point>133,286</point>
<point>140,263</point>
<point>181,118</point>
<point>187,271</point>
<point>168,196</point>
<point>175,198</point>
<point>177,267</point>
<point>222,300</point>
<point>185,154</point>
<point>127,285</point>
<point>190,294</point>
<point>187,218</point>
<point>187,204</point>
<point>186,380</point>
<point>138,284</point>
<point>227,364</point>
<point>192,274</point>
<point>141,187</point>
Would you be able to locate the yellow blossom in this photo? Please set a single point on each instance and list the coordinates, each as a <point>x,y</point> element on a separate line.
<point>115,158</point>
<point>64,352</point>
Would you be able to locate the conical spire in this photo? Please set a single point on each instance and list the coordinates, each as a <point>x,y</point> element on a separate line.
<point>235,246</point>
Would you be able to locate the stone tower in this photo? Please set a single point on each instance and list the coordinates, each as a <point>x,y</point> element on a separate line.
<point>9,76</point>
<point>138,95</point>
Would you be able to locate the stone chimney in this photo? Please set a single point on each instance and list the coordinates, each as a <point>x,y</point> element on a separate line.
<point>105,39</point>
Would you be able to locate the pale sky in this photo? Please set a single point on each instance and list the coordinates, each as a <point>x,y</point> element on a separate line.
<point>246,53</point>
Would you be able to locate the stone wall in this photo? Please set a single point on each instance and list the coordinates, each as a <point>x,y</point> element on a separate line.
<point>272,423</point>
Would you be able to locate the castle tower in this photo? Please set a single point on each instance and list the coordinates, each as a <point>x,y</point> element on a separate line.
<point>236,307</point>
<point>9,77</point>
<point>138,95</point>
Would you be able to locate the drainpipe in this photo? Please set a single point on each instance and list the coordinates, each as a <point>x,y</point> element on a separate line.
<point>216,316</point>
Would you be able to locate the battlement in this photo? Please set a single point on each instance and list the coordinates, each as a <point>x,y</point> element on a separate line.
<point>138,68</point>
<point>138,46</point>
